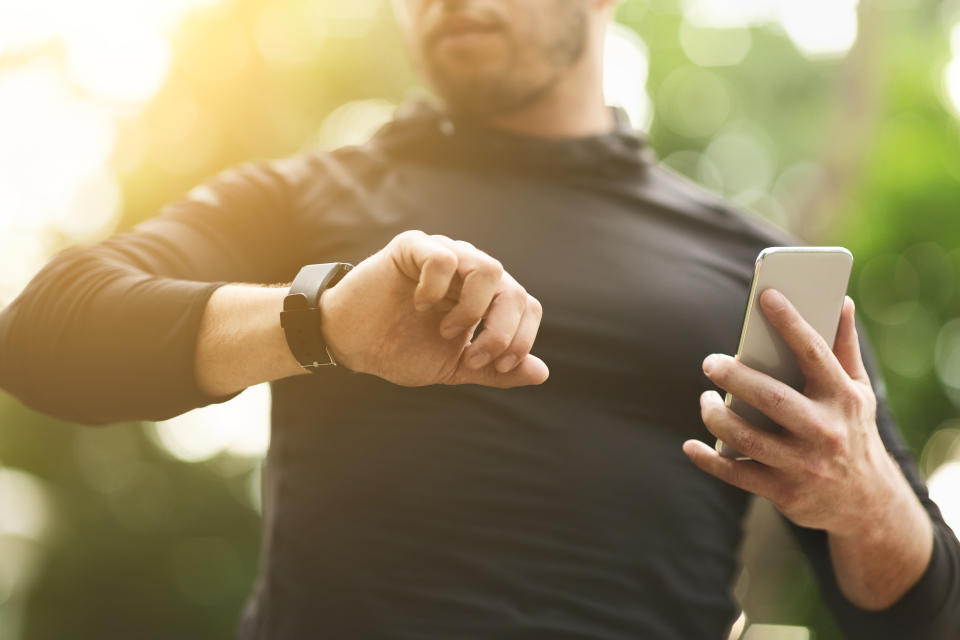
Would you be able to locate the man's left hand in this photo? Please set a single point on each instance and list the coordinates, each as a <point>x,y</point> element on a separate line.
<point>828,468</point>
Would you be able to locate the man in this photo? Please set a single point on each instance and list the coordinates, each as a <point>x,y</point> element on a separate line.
<point>422,501</point>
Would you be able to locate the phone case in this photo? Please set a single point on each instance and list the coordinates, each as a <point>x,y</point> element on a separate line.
<point>815,280</point>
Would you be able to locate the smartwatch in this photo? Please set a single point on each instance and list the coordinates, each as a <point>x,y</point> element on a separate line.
<point>300,317</point>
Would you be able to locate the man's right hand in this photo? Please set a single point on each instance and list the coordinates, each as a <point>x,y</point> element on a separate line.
<point>408,313</point>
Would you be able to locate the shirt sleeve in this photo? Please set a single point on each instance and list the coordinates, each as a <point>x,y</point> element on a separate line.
<point>107,332</point>
<point>930,610</point>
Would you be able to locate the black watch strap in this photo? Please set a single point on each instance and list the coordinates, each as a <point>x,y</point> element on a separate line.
<point>300,318</point>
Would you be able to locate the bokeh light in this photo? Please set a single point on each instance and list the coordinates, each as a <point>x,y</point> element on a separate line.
<point>714,47</point>
<point>951,73</point>
<point>625,75</point>
<point>353,123</point>
<point>745,158</point>
<point>818,28</point>
<point>947,359</point>
<point>942,447</point>
<point>693,102</point>
<point>943,485</point>
<point>90,65</point>
<point>821,28</point>
<point>889,289</point>
<point>776,632</point>
<point>26,524</point>
<point>239,427</point>
<point>111,108</point>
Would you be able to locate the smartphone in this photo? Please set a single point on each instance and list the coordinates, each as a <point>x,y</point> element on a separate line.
<point>815,280</point>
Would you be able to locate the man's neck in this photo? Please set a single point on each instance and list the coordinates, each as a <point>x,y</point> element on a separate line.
<point>572,107</point>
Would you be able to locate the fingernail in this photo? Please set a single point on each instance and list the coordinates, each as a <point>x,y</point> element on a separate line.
<point>478,360</point>
<point>451,332</point>
<point>707,397</point>
<point>774,300</point>
<point>506,363</point>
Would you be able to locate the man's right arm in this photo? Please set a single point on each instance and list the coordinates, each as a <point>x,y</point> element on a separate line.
<point>150,323</point>
<point>108,332</point>
<point>406,314</point>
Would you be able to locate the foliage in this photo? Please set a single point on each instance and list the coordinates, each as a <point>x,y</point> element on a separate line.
<point>149,547</point>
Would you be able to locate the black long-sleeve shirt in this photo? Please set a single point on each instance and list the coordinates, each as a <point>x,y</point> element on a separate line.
<point>565,510</point>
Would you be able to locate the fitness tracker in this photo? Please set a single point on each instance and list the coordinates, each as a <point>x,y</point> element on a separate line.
<point>300,317</point>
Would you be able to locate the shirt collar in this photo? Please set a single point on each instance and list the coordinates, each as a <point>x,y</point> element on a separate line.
<point>422,132</point>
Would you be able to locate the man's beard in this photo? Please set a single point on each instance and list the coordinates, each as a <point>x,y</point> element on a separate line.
<point>526,76</point>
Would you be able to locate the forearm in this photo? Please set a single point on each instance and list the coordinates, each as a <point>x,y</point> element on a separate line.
<point>93,340</point>
<point>876,564</point>
<point>240,342</point>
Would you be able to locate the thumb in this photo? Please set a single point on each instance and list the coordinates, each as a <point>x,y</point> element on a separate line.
<point>531,370</point>
<point>847,344</point>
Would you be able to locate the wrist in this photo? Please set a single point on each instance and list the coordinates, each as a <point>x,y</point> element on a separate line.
<point>330,313</point>
<point>881,496</point>
<point>302,317</point>
<point>888,550</point>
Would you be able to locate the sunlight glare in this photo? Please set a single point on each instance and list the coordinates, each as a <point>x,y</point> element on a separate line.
<point>128,65</point>
<point>951,73</point>
<point>820,28</point>
<point>240,427</point>
<point>625,75</point>
<point>353,123</point>
<point>944,486</point>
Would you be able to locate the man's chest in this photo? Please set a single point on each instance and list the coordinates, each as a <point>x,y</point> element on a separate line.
<point>633,295</point>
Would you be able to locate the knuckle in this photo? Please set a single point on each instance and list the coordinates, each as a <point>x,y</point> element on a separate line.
<point>785,497</point>
<point>851,402</point>
<point>814,466</point>
<point>515,295</point>
<point>535,306</point>
<point>492,267</point>
<point>834,441</point>
<point>409,235</point>
<point>747,441</point>
<point>858,400</point>
<point>497,342</point>
<point>773,396</point>
<point>814,350</point>
<point>444,258</point>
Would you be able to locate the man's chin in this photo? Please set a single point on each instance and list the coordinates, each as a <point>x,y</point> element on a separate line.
<point>481,103</point>
<point>474,94</point>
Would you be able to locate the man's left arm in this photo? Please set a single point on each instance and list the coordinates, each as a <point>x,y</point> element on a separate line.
<point>892,558</point>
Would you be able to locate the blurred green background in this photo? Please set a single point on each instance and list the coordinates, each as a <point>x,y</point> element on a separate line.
<point>835,119</point>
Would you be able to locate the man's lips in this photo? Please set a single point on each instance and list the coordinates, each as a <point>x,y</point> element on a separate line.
<point>453,26</point>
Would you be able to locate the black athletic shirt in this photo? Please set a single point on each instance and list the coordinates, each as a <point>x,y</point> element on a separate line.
<point>561,511</point>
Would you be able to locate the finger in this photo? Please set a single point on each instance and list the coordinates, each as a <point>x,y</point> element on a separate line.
<point>531,370</point>
<point>526,335</point>
<point>846,347</point>
<point>760,445</point>
<point>481,276</point>
<point>817,362</point>
<point>428,262</point>
<point>780,402</point>
<point>500,324</point>
<point>744,474</point>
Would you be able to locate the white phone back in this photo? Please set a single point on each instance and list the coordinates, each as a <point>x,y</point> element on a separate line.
<point>815,280</point>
